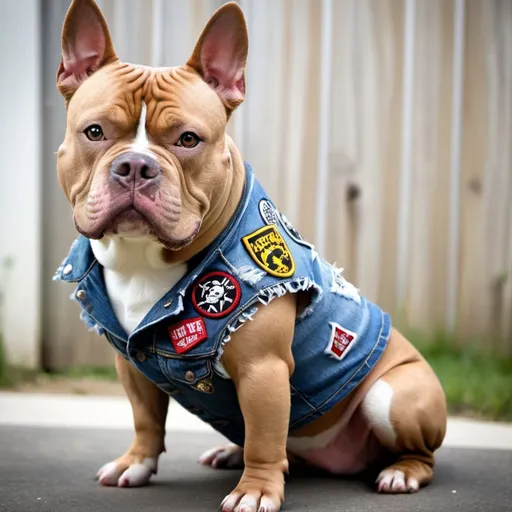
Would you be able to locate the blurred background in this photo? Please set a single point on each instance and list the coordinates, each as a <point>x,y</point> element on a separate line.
<point>381,128</point>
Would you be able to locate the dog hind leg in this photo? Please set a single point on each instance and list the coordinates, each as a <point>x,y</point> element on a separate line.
<point>406,410</point>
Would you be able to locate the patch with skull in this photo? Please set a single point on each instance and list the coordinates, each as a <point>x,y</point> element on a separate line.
<point>216,294</point>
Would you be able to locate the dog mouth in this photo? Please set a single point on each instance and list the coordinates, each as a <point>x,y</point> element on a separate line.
<point>130,222</point>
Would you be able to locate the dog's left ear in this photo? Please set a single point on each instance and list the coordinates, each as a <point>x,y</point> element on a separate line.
<point>220,54</point>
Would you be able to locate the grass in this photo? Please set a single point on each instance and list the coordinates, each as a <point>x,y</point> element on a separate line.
<point>89,372</point>
<point>476,383</point>
<point>4,369</point>
<point>9,375</point>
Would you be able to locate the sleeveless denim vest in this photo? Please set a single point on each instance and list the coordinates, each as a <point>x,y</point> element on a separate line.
<point>338,337</point>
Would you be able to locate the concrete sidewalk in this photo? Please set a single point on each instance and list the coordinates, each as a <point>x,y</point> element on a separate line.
<point>115,412</point>
<point>51,446</point>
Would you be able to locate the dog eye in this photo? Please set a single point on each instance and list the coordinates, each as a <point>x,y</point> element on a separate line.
<point>188,140</point>
<point>94,133</point>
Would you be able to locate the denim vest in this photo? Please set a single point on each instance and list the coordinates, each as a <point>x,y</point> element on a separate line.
<point>339,336</point>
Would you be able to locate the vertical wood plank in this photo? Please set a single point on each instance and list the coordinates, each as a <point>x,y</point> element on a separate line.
<point>426,290</point>
<point>266,91</point>
<point>498,220</point>
<point>391,153</point>
<point>366,70</point>
<point>484,301</point>
<point>297,74</point>
<point>66,341</point>
<point>344,141</point>
<point>309,149</point>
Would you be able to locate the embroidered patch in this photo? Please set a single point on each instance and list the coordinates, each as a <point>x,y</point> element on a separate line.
<point>293,233</point>
<point>271,215</point>
<point>205,386</point>
<point>341,341</point>
<point>268,249</point>
<point>216,294</point>
<point>268,211</point>
<point>187,334</point>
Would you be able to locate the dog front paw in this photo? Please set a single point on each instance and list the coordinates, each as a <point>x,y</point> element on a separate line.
<point>259,490</point>
<point>229,456</point>
<point>127,471</point>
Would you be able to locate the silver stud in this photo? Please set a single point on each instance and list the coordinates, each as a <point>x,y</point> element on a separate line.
<point>67,269</point>
<point>141,357</point>
<point>80,294</point>
<point>189,376</point>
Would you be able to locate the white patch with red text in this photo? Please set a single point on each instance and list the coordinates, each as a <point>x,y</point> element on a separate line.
<point>187,334</point>
<point>341,341</point>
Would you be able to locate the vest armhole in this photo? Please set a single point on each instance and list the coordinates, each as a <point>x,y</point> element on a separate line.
<point>302,285</point>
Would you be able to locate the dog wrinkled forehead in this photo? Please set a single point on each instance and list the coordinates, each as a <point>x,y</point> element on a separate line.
<point>171,96</point>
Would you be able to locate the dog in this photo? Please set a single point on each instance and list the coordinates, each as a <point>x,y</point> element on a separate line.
<point>209,294</point>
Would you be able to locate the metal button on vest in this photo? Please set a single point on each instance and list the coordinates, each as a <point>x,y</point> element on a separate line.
<point>80,294</point>
<point>141,357</point>
<point>189,376</point>
<point>67,269</point>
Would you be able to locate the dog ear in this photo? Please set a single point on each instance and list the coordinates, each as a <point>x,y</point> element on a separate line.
<point>86,46</point>
<point>220,54</point>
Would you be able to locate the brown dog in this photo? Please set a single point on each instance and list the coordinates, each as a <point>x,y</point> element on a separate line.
<point>209,294</point>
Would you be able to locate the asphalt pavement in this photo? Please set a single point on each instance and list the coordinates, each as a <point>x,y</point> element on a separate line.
<point>51,469</point>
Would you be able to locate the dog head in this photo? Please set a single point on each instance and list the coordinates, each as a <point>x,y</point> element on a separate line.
<point>146,152</point>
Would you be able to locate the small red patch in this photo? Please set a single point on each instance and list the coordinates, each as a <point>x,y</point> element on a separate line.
<point>187,334</point>
<point>340,342</point>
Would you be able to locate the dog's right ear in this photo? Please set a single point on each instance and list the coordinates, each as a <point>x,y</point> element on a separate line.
<point>86,46</point>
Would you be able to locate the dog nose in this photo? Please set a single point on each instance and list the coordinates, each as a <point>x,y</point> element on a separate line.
<point>135,167</point>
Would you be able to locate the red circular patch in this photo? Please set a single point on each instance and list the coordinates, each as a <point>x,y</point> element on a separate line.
<point>216,294</point>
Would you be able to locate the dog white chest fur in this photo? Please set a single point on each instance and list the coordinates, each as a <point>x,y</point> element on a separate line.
<point>136,276</point>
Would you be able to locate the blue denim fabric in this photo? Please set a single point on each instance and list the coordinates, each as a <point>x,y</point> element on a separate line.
<point>195,378</point>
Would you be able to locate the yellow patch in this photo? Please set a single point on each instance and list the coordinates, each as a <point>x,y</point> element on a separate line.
<point>269,250</point>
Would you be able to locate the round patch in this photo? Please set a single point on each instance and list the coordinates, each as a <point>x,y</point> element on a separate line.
<point>292,232</point>
<point>268,211</point>
<point>216,294</point>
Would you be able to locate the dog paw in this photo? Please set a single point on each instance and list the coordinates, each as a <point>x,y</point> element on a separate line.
<point>229,456</point>
<point>393,481</point>
<point>258,491</point>
<point>248,503</point>
<point>123,474</point>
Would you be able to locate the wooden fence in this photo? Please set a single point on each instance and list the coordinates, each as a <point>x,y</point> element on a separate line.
<point>382,128</point>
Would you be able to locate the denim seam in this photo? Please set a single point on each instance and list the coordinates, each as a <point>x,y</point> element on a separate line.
<point>171,379</point>
<point>299,393</point>
<point>83,276</point>
<point>227,262</point>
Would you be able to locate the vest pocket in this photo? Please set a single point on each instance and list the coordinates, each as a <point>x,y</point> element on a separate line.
<point>185,371</point>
